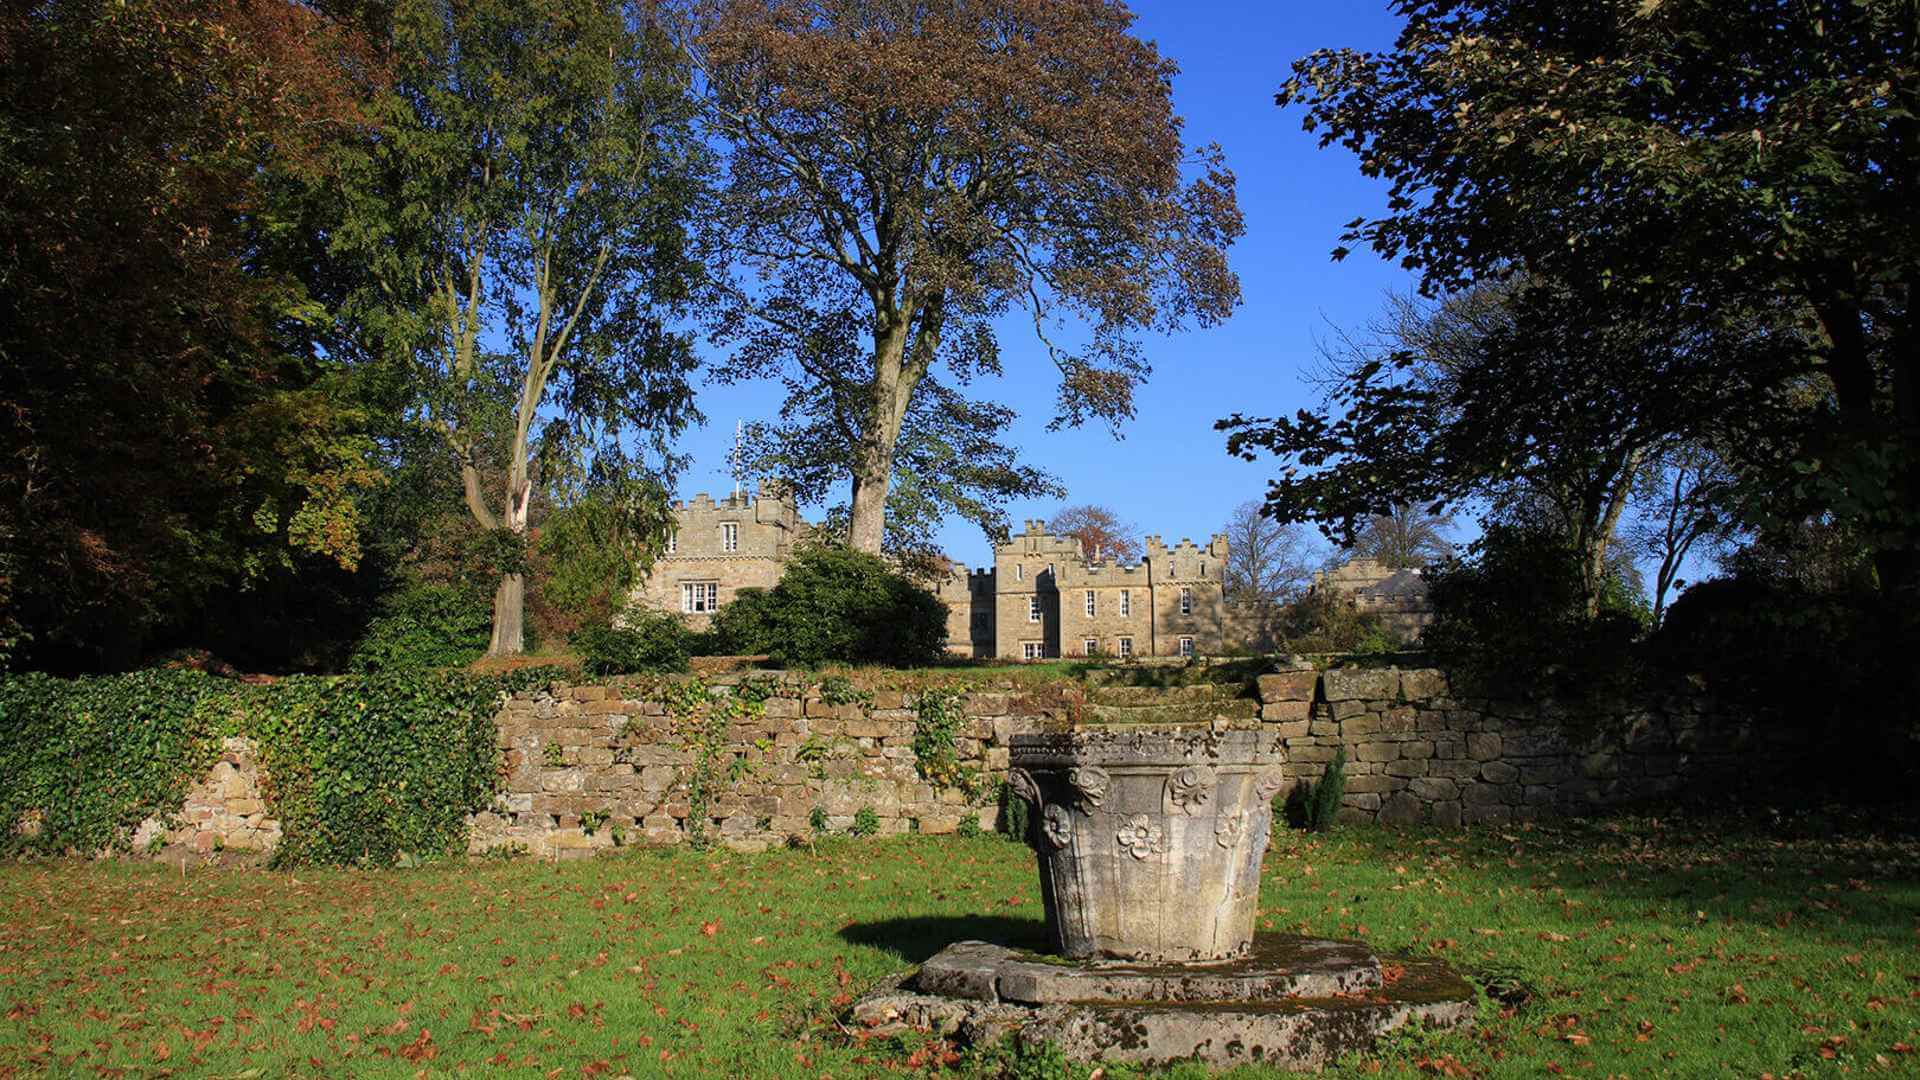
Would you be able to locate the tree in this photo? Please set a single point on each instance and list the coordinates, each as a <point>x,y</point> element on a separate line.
<point>1406,537</point>
<point>531,188</point>
<point>170,429</point>
<point>951,457</point>
<point>1102,535</point>
<point>905,174</point>
<point>1268,566</point>
<point>1757,161</point>
<point>1518,397</point>
<point>1683,514</point>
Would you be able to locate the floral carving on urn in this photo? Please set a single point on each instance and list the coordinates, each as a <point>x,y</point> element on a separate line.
<point>1092,782</point>
<point>1141,837</point>
<point>1190,789</point>
<point>1056,824</point>
<point>1270,784</point>
<point>1230,828</point>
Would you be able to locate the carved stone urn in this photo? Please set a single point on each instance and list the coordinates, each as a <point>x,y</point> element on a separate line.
<point>1149,839</point>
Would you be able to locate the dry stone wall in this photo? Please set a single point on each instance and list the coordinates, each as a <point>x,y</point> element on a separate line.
<point>1416,753</point>
<point>590,768</point>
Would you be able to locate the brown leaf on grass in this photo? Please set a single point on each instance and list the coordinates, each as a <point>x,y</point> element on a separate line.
<point>710,928</point>
<point>421,1049</point>
<point>161,1051</point>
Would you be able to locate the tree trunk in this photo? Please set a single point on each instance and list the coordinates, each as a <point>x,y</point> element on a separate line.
<point>509,617</point>
<point>895,377</point>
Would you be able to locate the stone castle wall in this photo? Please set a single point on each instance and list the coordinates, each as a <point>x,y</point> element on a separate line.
<point>590,768</point>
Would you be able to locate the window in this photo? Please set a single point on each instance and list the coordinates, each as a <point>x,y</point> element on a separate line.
<point>729,537</point>
<point>1186,646</point>
<point>1203,569</point>
<point>1173,568</point>
<point>1126,601</point>
<point>1126,647</point>
<point>1033,650</point>
<point>699,597</point>
<point>1093,646</point>
<point>1186,601</point>
<point>1090,607</point>
<point>1019,571</point>
<point>1033,609</point>
<point>673,542</point>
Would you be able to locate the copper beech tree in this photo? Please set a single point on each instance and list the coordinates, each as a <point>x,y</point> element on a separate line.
<point>932,166</point>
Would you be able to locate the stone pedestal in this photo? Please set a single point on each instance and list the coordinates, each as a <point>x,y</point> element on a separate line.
<point>1150,841</point>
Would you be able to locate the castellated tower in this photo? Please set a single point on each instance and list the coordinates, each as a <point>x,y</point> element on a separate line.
<point>719,548</point>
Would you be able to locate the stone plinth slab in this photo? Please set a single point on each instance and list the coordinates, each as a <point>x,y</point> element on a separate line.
<point>1301,1031</point>
<point>1277,967</point>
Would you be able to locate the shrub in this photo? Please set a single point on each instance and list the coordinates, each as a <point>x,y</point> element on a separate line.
<point>865,822</point>
<point>644,641</point>
<point>425,626</point>
<point>1514,612</point>
<point>1014,814</point>
<point>969,826</point>
<point>817,819</point>
<point>1314,806</point>
<point>837,604</point>
<point>1324,622</point>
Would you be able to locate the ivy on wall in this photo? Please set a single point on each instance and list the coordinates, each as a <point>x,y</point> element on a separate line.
<point>84,761</point>
<point>370,769</point>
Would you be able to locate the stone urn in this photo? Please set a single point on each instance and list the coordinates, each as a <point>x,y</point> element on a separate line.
<point>1149,839</point>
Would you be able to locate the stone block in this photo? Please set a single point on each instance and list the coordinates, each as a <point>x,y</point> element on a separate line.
<point>1362,800</point>
<point>1361,684</point>
<point>1483,746</point>
<point>1377,784</point>
<point>1433,788</point>
<point>1499,772</point>
<point>1376,751</point>
<point>1486,814</point>
<point>1347,711</point>
<point>1286,711</point>
<point>1401,809</point>
<point>1446,814</point>
<point>1288,686</point>
<point>1417,748</point>
<point>1423,684</point>
<point>1298,729</point>
<point>1407,767</point>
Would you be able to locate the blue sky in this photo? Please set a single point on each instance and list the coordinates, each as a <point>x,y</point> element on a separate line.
<point>1170,473</point>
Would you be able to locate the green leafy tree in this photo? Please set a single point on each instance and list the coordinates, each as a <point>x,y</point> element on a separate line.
<point>1756,161</point>
<point>522,218</point>
<point>903,176</point>
<point>171,428</point>
<point>1515,396</point>
<point>951,458</point>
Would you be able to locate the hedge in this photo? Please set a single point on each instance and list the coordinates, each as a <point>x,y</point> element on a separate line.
<point>365,769</point>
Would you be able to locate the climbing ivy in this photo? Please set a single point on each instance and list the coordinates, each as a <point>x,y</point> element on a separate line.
<point>84,761</point>
<point>370,769</point>
<point>936,749</point>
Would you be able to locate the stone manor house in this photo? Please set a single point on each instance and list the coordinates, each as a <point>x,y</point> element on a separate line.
<point>1042,598</point>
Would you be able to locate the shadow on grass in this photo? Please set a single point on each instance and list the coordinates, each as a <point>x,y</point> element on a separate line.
<point>916,938</point>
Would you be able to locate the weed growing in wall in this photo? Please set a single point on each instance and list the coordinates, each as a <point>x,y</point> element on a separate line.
<point>936,751</point>
<point>866,822</point>
<point>702,717</point>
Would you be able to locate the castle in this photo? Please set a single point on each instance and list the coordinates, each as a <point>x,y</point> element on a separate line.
<point>1042,598</point>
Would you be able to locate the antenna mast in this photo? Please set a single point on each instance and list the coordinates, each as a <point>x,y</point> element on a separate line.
<point>737,459</point>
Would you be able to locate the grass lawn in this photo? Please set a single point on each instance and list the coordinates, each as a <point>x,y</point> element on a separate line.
<point>1617,948</point>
